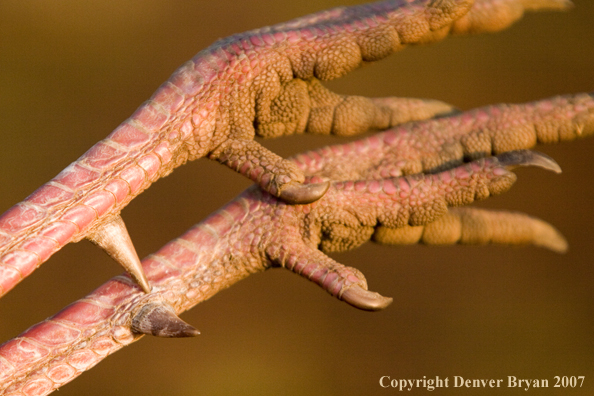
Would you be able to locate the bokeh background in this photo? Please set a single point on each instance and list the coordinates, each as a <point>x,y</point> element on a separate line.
<point>71,71</point>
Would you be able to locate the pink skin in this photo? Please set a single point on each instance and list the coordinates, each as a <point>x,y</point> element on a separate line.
<point>253,233</point>
<point>60,348</point>
<point>192,115</point>
<point>99,324</point>
<point>422,146</point>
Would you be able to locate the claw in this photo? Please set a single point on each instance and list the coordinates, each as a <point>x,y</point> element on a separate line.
<point>441,109</point>
<point>534,5</point>
<point>365,299</point>
<point>546,236</point>
<point>161,321</point>
<point>114,239</point>
<point>303,193</point>
<point>514,159</point>
<point>453,111</point>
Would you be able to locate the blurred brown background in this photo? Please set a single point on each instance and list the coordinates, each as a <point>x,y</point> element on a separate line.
<point>71,71</point>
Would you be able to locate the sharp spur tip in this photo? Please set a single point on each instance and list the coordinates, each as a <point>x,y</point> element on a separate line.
<point>365,299</point>
<point>114,239</point>
<point>142,282</point>
<point>514,159</point>
<point>297,193</point>
<point>160,320</point>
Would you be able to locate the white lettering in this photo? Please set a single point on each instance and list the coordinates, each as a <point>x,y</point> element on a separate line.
<point>408,384</point>
<point>476,382</point>
<point>411,382</point>
<point>514,382</point>
<point>511,381</point>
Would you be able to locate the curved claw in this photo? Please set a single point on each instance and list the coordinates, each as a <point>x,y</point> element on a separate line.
<point>514,159</point>
<point>161,321</point>
<point>542,5</point>
<point>365,299</point>
<point>547,236</point>
<point>452,112</point>
<point>303,193</point>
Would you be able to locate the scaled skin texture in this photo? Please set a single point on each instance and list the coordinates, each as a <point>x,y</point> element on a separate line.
<point>265,82</point>
<point>396,187</point>
<point>257,231</point>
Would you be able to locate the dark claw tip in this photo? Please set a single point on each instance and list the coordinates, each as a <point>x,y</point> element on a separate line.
<point>297,193</point>
<point>449,113</point>
<point>514,159</point>
<point>365,299</point>
<point>161,321</point>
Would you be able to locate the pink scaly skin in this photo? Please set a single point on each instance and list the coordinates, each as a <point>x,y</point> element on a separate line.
<point>264,82</point>
<point>257,231</point>
<point>442,143</point>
